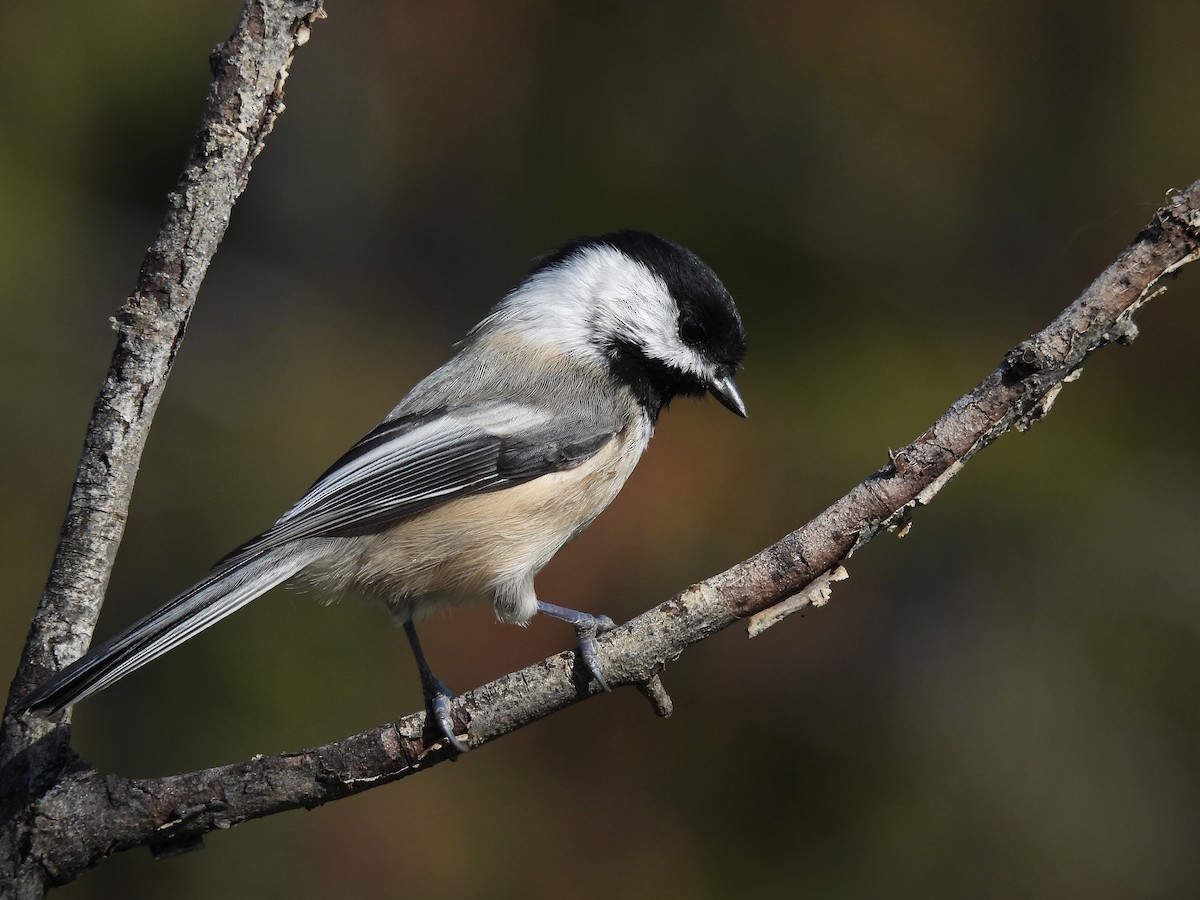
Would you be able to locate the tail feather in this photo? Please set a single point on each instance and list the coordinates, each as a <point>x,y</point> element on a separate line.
<point>206,603</point>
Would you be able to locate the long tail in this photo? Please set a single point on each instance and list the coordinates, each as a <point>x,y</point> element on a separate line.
<point>217,596</point>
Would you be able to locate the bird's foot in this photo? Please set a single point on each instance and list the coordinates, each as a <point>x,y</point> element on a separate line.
<point>437,702</point>
<point>437,695</point>
<point>587,627</point>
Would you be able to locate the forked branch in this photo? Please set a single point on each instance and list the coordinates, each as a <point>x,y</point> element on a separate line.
<point>179,810</point>
<point>249,71</point>
<point>61,817</point>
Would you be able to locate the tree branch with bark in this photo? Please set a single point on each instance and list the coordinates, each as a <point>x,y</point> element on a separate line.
<point>60,816</point>
<point>246,96</point>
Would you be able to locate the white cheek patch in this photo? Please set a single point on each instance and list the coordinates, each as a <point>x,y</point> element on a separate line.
<point>595,297</point>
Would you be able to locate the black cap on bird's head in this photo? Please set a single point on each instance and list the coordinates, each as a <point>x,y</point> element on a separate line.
<point>667,324</point>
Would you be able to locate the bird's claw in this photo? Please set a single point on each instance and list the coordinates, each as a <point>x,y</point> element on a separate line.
<point>437,695</point>
<point>438,698</point>
<point>586,628</point>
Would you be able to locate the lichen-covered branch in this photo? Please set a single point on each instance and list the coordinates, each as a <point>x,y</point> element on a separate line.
<point>174,813</point>
<point>249,71</point>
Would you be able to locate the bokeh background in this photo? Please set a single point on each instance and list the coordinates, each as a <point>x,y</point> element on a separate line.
<point>1005,703</point>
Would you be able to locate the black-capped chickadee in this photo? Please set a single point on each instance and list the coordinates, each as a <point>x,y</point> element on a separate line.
<point>490,465</point>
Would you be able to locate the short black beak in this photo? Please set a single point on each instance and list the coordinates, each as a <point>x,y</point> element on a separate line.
<point>723,388</point>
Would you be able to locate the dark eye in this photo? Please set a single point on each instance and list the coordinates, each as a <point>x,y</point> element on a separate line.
<point>691,331</point>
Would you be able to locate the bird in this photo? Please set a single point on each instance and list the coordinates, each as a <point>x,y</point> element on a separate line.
<point>487,467</point>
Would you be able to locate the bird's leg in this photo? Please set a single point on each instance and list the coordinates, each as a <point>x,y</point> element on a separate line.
<point>437,695</point>
<point>587,627</point>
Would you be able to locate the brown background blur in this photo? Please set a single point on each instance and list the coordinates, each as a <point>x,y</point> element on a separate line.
<point>1002,705</point>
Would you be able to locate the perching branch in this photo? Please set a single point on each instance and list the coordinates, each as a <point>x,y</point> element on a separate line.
<point>63,816</point>
<point>174,813</point>
<point>246,96</point>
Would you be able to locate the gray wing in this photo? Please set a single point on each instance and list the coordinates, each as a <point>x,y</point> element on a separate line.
<point>415,462</point>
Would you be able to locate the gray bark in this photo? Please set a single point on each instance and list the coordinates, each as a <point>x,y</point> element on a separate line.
<point>246,96</point>
<point>58,816</point>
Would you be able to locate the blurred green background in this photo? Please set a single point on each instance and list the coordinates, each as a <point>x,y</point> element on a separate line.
<point>1004,704</point>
